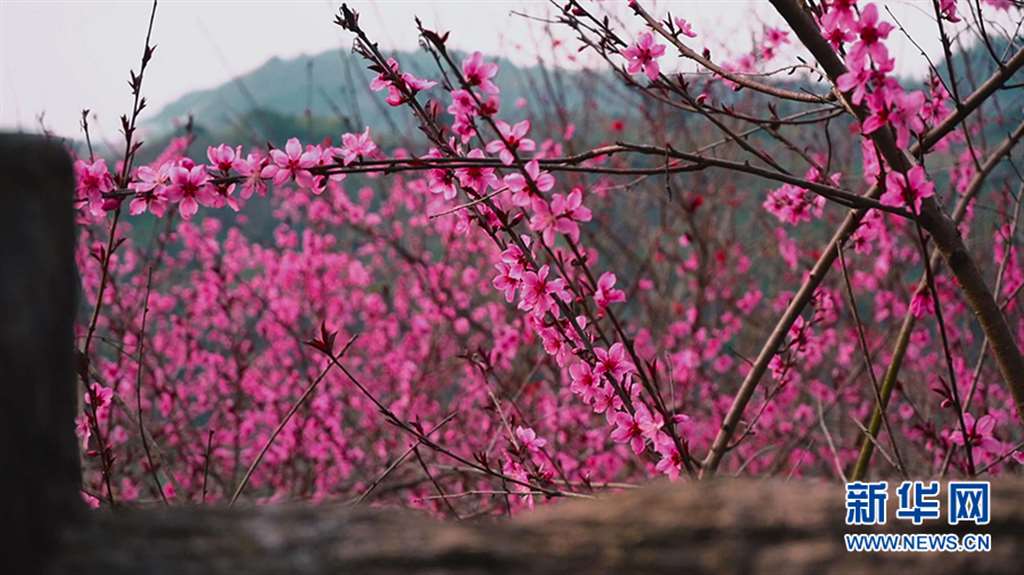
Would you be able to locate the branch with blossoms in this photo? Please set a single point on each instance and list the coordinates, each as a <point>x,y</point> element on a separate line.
<point>643,56</point>
<point>93,181</point>
<point>908,183</point>
<point>200,188</point>
<point>914,312</point>
<point>541,296</point>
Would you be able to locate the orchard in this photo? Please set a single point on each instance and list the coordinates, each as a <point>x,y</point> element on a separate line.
<point>790,262</point>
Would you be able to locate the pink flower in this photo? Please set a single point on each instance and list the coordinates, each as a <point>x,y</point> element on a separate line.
<point>906,118</point>
<point>613,362</point>
<point>836,35</point>
<point>101,396</point>
<point>251,169</point>
<point>440,180</point>
<point>787,248</point>
<point>544,220</point>
<point>399,85</point>
<point>907,189</point>
<point>773,38</point>
<point>150,180</point>
<point>643,56</point>
<point>921,303</point>
<point>606,400</point>
<point>150,187</point>
<point>538,292</point>
<point>684,28</point>
<point>93,181</point>
<point>870,159</point>
<point>489,107</point>
<point>858,81</point>
<point>671,461</point>
<point>980,433</point>
<point>506,281</point>
<point>792,204</point>
<point>890,105</point>
<point>650,423</point>
<point>776,36</point>
<point>415,84</point>
<point>225,196</point>
<point>840,14</point>
<point>463,104</point>
<point>936,104</point>
<point>92,501</point>
<point>513,139</point>
<point>948,10</point>
<point>478,178</point>
<point>223,156</point>
<point>584,383</point>
<point>356,146</point>
<point>479,73</point>
<point>560,216</point>
<point>528,439</point>
<point>155,204</point>
<point>292,163</point>
<point>749,301</point>
<point>606,294</point>
<point>870,33</point>
<point>744,64</point>
<point>395,96</point>
<point>627,430</point>
<point>191,187</point>
<point>83,430</point>
<point>519,185</point>
<point>514,257</point>
<point>570,210</point>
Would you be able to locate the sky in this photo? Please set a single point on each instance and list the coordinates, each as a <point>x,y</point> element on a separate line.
<point>60,57</point>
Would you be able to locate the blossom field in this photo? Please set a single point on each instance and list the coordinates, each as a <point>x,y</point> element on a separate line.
<point>787,262</point>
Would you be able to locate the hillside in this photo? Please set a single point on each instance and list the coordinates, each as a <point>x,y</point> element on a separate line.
<point>270,102</point>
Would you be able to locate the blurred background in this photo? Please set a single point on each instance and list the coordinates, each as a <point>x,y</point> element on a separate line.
<point>223,60</point>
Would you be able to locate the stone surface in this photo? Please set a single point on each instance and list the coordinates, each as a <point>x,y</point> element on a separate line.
<point>720,526</point>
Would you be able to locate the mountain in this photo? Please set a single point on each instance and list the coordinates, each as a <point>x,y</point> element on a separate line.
<point>271,102</point>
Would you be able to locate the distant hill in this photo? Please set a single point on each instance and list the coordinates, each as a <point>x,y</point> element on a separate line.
<point>270,102</point>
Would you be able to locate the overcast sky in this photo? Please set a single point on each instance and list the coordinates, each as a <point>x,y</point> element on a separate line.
<point>60,57</point>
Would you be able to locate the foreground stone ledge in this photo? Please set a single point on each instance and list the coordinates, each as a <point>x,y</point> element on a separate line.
<point>723,526</point>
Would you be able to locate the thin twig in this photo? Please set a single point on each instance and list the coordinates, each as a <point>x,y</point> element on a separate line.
<point>295,407</point>
<point>138,389</point>
<point>394,465</point>
<point>867,361</point>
